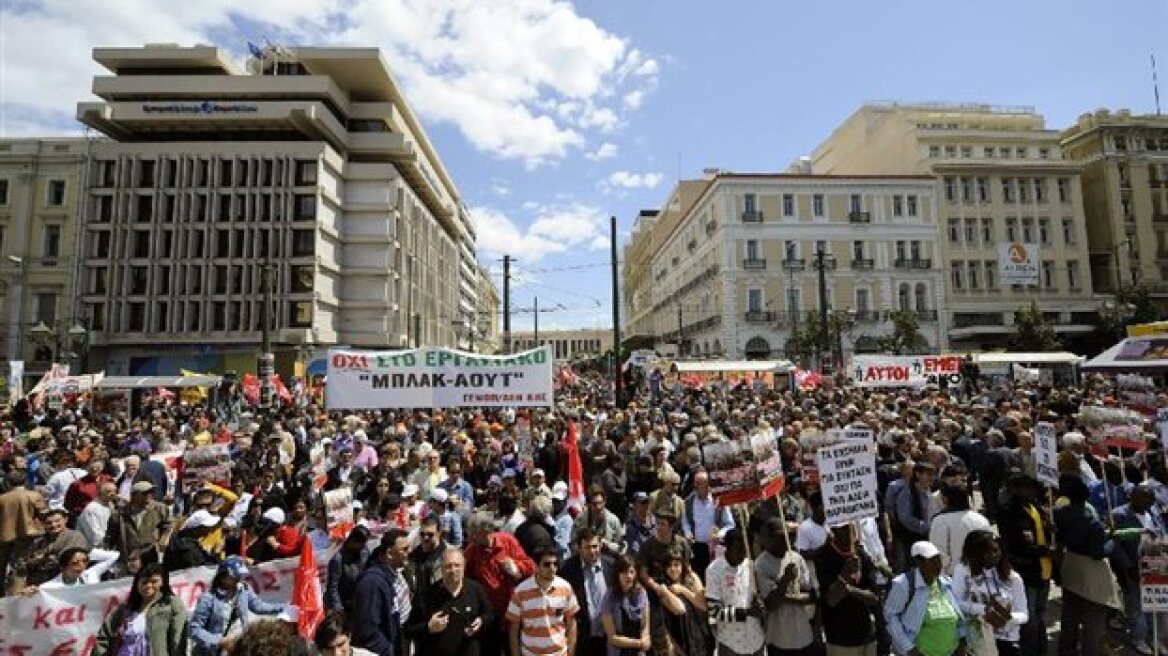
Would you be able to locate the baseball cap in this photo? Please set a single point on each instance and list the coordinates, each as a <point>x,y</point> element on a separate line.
<point>234,566</point>
<point>438,494</point>
<point>925,549</point>
<point>640,497</point>
<point>537,472</point>
<point>509,473</point>
<point>200,519</point>
<point>275,515</point>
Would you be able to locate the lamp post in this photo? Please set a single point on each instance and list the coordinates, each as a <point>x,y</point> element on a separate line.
<point>842,321</point>
<point>1116,315</point>
<point>69,344</point>
<point>15,334</point>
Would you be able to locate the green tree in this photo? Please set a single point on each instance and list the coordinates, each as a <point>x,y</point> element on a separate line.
<point>1034,332</point>
<point>906,337</point>
<point>1133,304</point>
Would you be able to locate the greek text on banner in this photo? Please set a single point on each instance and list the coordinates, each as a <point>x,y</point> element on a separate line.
<point>438,377</point>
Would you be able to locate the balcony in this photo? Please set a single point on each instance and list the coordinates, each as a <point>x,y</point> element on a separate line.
<point>794,264</point>
<point>867,316</point>
<point>752,216</point>
<point>862,264</point>
<point>1162,184</point>
<point>913,264</point>
<point>926,315</point>
<point>759,316</point>
<point>1160,217</point>
<point>859,217</point>
<point>754,264</point>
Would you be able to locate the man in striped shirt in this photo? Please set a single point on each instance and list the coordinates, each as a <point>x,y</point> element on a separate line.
<point>541,612</point>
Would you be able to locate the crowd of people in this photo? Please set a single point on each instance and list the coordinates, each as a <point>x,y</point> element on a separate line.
<point>466,541</point>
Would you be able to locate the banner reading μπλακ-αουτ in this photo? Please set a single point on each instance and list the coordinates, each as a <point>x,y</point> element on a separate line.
<point>437,378</point>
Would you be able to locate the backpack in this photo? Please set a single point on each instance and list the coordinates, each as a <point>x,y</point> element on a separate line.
<point>912,589</point>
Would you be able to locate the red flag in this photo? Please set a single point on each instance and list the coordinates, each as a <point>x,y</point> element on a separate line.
<point>306,595</point>
<point>251,389</point>
<point>282,390</point>
<point>575,469</point>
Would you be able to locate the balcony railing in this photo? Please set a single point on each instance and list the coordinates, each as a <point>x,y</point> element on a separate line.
<point>753,264</point>
<point>752,216</point>
<point>759,316</point>
<point>975,319</point>
<point>1160,217</point>
<point>914,263</point>
<point>862,264</point>
<point>794,264</point>
<point>859,217</point>
<point>926,315</point>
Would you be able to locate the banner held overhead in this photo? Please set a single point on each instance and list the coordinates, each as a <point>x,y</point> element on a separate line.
<point>438,377</point>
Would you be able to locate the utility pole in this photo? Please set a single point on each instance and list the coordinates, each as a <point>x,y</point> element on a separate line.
<point>417,330</point>
<point>535,310</point>
<point>619,383</point>
<point>821,265</point>
<point>507,304</point>
<point>266,363</point>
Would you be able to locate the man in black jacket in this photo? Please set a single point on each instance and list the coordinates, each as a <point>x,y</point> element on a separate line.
<point>379,615</point>
<point>449,616</point>
<point>1027,536</point>
<point>589,573</point>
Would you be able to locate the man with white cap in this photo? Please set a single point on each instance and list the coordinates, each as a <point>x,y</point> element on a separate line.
<point>536,486</point>
<point>449,522</point>
<point>184,550</point>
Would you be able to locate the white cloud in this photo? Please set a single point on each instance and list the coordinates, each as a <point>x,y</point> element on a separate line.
<point>553,229</point>
<point>497,71</point>
<point>605,151</point>
<point>500,188</point>
<point>633,99</point>
<point>628,180</point>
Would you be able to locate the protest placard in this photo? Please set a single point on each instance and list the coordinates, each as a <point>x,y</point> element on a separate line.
<point>338,504</point>
<point>858,433</point>
<point>905,370</point>
<point>438,377</point>
<point>1153,573</point>
<point>1046,453</point>
<point>206,462</point>
<point>1113,427</point>
<point>847,478</point>
<point>745,469</point>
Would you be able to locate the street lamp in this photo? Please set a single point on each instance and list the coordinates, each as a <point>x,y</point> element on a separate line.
<point>69,346</point>
<point>1116,315</point>
<point>843,321</point>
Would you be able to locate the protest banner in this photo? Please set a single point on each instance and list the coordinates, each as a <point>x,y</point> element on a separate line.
<point>905,370</point>
<point>1137,392</point>
<point>1114,428</point>
<point>66,620</point>
<point>206,462</point>
<point>1153,573</point>
<point>847,478</point>
<point>744,470</point>
<point>437,377</point>
<point>1046,453</point>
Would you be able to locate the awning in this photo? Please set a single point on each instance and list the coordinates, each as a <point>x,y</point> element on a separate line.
<point>1056,357</point>
<point>718,366</point>
<point>139,382</point>
<point>1131,355</point>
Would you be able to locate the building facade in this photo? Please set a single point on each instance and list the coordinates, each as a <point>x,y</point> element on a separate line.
<point>1000,178</point>
<point>735,272</point>
<point>487,314</point>
<point>41,182</point>
<point>1125,196</point>
<point>566,344</point>
<point>309,171</point>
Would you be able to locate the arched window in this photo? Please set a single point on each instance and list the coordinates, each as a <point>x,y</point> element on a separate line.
<point>903,297</point>
<point>922,297</point>
<point>758,348</point>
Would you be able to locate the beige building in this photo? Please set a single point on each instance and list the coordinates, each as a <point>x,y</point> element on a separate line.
<point>1125,196</point>
<point>486,316</point>
<point>41,184</point>
<point>727,267</point>
<point>1001,177</point>
<point>310,164</point>
<point>566,344</point>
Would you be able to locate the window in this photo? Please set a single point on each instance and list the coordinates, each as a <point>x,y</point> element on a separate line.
<point>1028,230</point>
<point>1069,231</point>
<point>98,280</point>
<point>218,315</point>
<point>224,213</point>
<point>144,209</point>
<point>971,232</point>
<point>1044,232</point>
<point>135,317</point>
<point>951,151</point>
<point>303,243</point>
<point>1044,153</point>
<point>752,249</point>
<point>99,244</point>
<point>1040,190</point>
<point>162,280</point>
<point>305,208</point>
<point>237,279</point>
<point>817,204</point>
<point>791,250</point>
<point>300,314</point>
<point>750,202</point>
<point>138,278</point>
<point>857,250</point>
<point>863,304</point>
<point>974,278</point>
<point>220,280</point>
<point>820,246</point>
<point>897,206</point>
<point>900,250</point>
<point>1048,274</point>
<point>950,188</point>
<point>302,279</point>
<point>955,270</point>
<point>46,308</point>
<point>146,173</point>
<point>1073,274</point>
<point>988,152</point>
<point>141,245</point>
<point>160,316</point>
<point>983,190</point>
<point>912,205</point>
<point>56,193</point>
<point>902,297</point>
<point>3,191</point>
<point>966,152</point>
<point>1020,152</point>
<point>1008,190</point>
<point>855,203</point>
<point>1004,152</point>
<point>222,243</point>
<point>991,274</point>
<point>305,173</point>
<point>754,300</point>
<point>966,190</point>
<point>793,302</point>
<point>934,151</point>
<point>1011,229</point>
<point>921,297</point>
<point>225,171</point>
<point>1064,190</point>
<point>1023,190</point>
<point>788,205</point>
<point>954,231</point>
<point>51,246</point>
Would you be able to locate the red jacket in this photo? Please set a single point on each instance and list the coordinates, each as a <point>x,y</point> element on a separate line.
<point>288,539</point>
<point>485,565</point>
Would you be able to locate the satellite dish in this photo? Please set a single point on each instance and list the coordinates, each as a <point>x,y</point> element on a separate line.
<point>254,66</point>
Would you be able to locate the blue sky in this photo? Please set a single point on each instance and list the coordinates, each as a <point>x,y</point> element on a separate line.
<point>552,116</point>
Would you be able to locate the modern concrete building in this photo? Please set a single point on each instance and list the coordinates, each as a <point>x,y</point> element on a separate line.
<point>566,344</point>
<point>1001,178</point>
<point>728,266</point>
<point>1125,196</point>
<point>41,182</point>
<point>486,317</point>
<point>310,165</point>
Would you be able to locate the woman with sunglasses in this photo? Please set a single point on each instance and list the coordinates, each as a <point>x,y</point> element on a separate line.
<point>152,621</point>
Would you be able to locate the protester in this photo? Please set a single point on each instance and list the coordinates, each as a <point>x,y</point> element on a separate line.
<point>381,600</point>
<point>542,612</point>
<point>450,615</point>
<point>703,522</point>
<point>333,638</point>
<point>847,578</point>
<point>43,560</point>
<point>152,620</point>
<point>953,523</point>
<point>1087,581</point>
<point>589,572</point>
<point>787,589</point>
<point>1027,539</point>
<point>733,601</point>
<point>226,609</point>
<point>625,611</point>
<point>498,562</point>
<point>19,526</point>
<point>921,612</point>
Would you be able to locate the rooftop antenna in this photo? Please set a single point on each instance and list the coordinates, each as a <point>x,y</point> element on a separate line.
<point>1155,85</point>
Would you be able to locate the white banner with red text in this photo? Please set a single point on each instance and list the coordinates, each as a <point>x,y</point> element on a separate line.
<point>905,370</point>
<point>437,378</point>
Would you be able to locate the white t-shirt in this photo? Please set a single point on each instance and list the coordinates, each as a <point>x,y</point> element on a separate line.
<point>789,625</point>
<point>734,586</point>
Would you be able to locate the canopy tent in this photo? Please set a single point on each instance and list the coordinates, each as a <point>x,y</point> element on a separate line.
<point>719,366</point>
<point>139,382</point>
<point>1133,354</point>
<point>1005,358</point>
